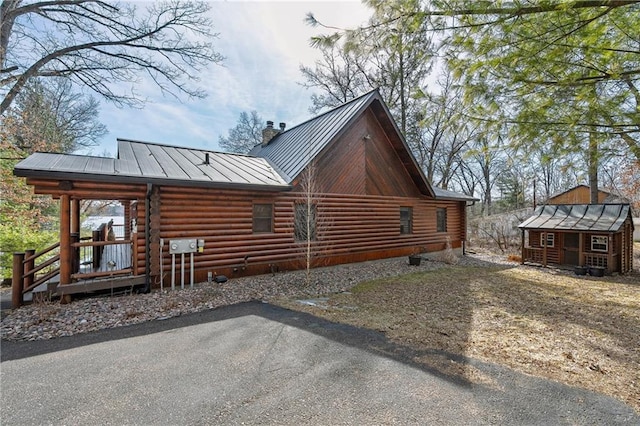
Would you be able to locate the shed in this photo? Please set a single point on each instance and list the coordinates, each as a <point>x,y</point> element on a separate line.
<point>581,194</point>
<point>598,235</point>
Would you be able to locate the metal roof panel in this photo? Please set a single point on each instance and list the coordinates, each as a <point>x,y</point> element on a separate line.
<point>148,162</point>
<point>292,150</point>
<point>578,217</point>
<point>445,194</point>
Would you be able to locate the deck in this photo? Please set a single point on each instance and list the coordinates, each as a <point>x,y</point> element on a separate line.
<point>113,272</point>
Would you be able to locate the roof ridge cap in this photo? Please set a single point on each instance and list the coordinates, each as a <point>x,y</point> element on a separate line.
<point>369,93</point>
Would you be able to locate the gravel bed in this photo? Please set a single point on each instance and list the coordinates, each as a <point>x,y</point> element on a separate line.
<point>47,320</point>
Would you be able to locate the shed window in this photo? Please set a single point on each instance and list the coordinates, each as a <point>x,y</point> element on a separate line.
<point>549,241</point>
<point>599,243</point>
<point>263,218</point>
<point>406,220</point>
<point>304,227</point>
<point>441,217</point>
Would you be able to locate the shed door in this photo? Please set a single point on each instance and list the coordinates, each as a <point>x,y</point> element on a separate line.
<point>571,243</point>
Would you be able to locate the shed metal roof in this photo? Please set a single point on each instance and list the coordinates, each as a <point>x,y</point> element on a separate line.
<point>578,217</point>
<point>142,162</point>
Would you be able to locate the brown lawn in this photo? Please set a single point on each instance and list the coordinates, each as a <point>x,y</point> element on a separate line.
<point>581,331</point>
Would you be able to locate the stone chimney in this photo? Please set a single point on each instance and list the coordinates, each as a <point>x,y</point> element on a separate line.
<point>269,132</point>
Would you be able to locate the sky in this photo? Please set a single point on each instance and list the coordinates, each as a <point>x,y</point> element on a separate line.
<point>264,43</point>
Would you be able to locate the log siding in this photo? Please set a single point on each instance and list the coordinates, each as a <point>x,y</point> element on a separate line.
<point>349,228</point>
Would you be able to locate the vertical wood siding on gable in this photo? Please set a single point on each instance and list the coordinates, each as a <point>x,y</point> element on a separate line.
<point>386,175</point>
<point>371,166</point>
<point>341,168</point>
<point>578,195</point>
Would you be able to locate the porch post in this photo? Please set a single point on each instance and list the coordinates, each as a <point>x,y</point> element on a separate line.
<point>543,236</point>
<point>75,253</point>
<point>610,249</point>
<point>75,216</point>
<point>28,263</point>
<point>522,248</point>
<point>65,240</point>
<point>96,253</point>
<point>16,281</point>
<point>127,219</point>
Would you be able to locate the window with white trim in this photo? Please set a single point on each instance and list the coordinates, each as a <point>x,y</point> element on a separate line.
<point>600,243</point>
<point>549,240</point>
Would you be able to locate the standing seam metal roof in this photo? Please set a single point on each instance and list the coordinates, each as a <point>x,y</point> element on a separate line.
<point>292,150</point>
<point>578,217</point>
<point>270,167</point>
<point>144,161</point>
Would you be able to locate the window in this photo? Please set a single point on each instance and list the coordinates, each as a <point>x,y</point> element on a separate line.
<point>406,220</point>
<point>304,226</point>
<point>441,217</point>
<point>599,243</point>
<point>263,218</point>
<point>549,241</point>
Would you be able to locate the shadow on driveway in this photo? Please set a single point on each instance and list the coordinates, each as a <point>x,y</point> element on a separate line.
<point>257,363</point>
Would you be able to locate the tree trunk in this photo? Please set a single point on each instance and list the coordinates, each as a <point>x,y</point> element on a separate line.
<point>593,168</point>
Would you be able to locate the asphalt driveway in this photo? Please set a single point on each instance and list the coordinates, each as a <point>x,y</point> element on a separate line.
<point>258,364</point>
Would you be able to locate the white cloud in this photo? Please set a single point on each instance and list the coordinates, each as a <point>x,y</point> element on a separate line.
<point>264,44</point>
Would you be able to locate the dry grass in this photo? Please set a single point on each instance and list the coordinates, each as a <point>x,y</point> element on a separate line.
<point>581,331</point>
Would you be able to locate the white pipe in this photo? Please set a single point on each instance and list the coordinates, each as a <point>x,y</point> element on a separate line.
<point>161,266</point>
<point>173,271</point>
<point>182,271</point>
<point>191,255</point>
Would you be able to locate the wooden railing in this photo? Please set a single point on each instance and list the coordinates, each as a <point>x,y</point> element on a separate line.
<point>533,254</point>
<point>30,269</point>
<point>600,260</point>
<point>114,259</point>
<point>91,257</point>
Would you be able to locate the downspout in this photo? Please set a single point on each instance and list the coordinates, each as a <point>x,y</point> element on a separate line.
<point>147,238</point>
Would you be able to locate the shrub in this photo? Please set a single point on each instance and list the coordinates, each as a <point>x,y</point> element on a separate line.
<point>17,237</point>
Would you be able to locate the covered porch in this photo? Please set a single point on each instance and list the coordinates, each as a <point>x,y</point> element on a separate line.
<point>590,235</point>
<point>80,264</point>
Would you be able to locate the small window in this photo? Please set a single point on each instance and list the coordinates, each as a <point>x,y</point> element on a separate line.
<point>600,243</point>
<point>441,217</point>
<point>304,227</point>
<point>263,218</point>
<point>550,240</point>
<point>406,220</point>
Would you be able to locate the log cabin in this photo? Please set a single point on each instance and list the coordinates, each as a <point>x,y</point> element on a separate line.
<point>341,187</point>
<point>580,235</point>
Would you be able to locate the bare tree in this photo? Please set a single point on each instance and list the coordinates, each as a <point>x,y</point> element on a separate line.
<point>51,117</point>
<point>246,134</point>
<point>305,216</point>
<point>309,220</point>
<point>396,60</point>
<point>104,46</point>
<point>443,131</point>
